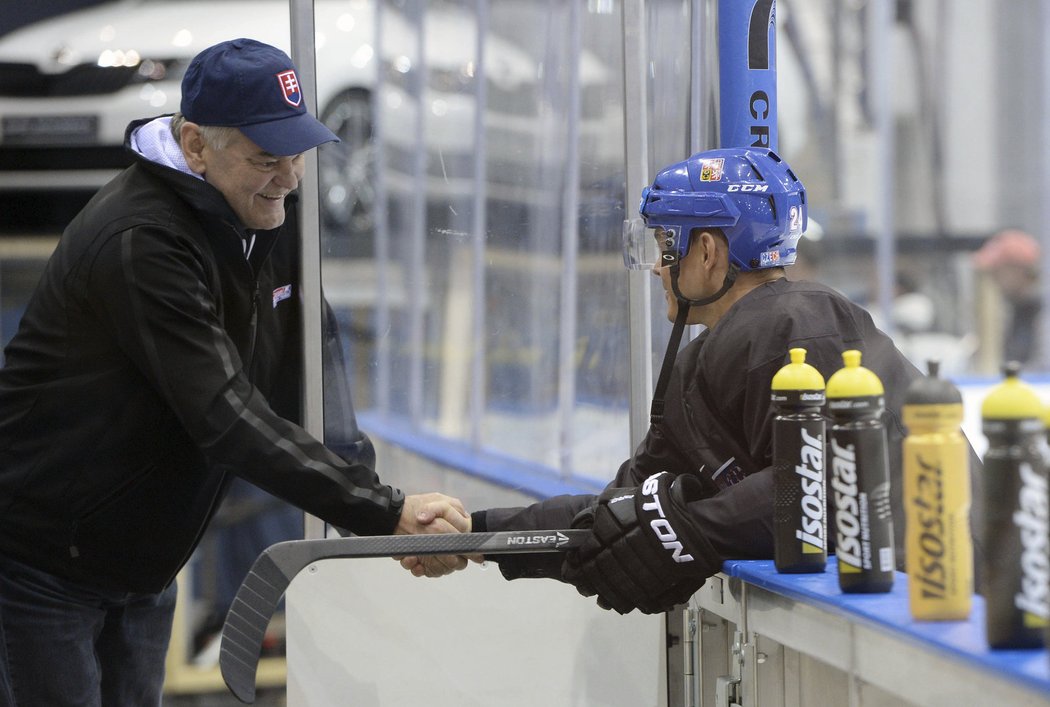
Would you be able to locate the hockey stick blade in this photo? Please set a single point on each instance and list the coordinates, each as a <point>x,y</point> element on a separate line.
<point>272,572</point>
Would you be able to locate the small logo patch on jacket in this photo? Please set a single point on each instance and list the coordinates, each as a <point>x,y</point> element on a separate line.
<point>281,293</point>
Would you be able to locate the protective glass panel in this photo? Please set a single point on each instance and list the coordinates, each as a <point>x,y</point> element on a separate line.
<point>471,227</point>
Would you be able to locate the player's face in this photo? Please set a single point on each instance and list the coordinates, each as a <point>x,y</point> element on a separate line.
<point>695,280</point>
<point>254,182</point>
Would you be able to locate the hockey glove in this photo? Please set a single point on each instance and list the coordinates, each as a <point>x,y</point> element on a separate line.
<point>644,552</point>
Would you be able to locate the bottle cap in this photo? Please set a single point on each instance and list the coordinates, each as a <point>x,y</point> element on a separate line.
<point>853,381</point>
<point>932,400</point>
<point>932,389</point>
<point>798,375</point>
<point>1012,399</point>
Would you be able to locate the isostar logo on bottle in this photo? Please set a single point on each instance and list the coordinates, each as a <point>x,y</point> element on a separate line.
<point>847,506</point>
<point>929,512</point>
<point>1032,520</point>
<point>811,482</point>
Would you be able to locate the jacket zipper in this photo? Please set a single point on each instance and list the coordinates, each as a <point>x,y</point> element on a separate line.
<point>253,325</point>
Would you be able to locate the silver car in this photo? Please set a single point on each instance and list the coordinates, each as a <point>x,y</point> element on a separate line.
<point>70,85</point>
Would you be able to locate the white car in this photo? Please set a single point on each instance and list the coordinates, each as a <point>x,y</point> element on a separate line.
<point>70,85</point>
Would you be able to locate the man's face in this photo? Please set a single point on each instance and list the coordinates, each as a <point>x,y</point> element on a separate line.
<point>254,182</point>
<point>693,283</point>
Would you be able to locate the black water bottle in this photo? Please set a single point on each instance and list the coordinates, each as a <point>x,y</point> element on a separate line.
<point>859,479</point>
<point>1014,531</point>
<point>799,490</point>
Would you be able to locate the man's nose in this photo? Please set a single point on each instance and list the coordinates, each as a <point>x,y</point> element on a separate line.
<point>288,174</point>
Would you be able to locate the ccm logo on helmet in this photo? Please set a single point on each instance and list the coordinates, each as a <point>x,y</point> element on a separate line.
<point>661,526</point>
<point>748,187</point>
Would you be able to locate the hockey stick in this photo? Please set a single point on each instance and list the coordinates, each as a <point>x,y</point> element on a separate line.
<point>272,572</point>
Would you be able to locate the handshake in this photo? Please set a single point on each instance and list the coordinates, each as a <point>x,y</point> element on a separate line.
<point>645,550</point>
<point>434,513</point>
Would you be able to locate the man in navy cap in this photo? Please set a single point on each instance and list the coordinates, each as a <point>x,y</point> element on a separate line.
<point>157,359</point>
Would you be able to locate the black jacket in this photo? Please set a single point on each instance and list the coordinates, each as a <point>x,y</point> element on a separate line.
<point>152,361</point>
<point>718,420</point>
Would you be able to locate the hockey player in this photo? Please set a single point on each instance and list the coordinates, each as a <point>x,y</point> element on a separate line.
<point>699,488</point>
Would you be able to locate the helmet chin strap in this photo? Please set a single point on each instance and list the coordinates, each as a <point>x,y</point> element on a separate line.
<point>656,410</point>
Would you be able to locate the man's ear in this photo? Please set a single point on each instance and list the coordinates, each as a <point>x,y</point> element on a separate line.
<point>709,249</point>
<point>192,143</point>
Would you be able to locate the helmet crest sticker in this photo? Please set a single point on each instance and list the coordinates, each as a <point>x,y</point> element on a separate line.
<point>711,169</point>
<point>290,88</point>
<point>769,259</point>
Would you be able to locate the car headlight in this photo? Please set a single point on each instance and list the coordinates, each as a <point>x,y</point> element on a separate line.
<point>160,70</point>
<point>400,72</point>
<point>145,68</point>
<point>108,75</point>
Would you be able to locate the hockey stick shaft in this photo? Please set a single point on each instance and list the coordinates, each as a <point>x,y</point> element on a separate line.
<point>272,572</point>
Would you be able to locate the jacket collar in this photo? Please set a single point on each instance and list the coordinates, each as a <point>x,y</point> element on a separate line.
<point>196,192</point>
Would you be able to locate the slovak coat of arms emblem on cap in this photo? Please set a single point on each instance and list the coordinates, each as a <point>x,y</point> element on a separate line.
<point>290,88</point>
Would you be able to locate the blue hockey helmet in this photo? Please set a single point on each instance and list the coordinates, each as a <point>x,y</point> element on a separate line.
<point>751,195</point>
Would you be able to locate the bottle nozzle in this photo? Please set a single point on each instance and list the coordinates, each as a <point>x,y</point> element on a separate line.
<point>851,358</point>
<point>797,375</point>
<point>933,367</point>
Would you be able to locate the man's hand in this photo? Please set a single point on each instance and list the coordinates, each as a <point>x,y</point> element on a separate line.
<point>644,553</point>
<point>433,513</point>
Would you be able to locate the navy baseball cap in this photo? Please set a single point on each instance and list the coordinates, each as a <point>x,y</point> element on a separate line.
<point>245,84</point>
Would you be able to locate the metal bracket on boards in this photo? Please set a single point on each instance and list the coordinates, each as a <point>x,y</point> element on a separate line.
<point>727,691</point>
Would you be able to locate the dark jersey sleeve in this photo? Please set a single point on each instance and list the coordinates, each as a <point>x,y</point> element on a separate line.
<point>738,521</point>
<point>654,454</point>
<point>555,513</point>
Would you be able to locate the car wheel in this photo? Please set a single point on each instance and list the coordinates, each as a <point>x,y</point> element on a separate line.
<point>347,172</point>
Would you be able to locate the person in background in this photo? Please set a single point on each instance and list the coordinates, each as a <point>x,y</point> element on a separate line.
<point>699,488</point>
<point>1012,258</point>
<point>158,359</point>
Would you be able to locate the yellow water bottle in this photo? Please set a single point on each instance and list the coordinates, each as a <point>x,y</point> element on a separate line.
<point>937,501</point>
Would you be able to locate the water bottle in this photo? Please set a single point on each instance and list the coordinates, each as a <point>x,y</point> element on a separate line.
<point>859,478</point>
<point>799,491</point>
<point>1014,530</point>
<point>937,501</point>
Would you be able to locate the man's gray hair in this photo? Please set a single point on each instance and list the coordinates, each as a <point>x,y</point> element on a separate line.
<point>218,137</point>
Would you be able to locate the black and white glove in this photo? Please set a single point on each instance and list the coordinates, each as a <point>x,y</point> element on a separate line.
<point>644,552</point>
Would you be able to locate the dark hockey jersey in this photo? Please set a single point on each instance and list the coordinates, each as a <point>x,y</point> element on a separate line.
<point>717,422</point>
